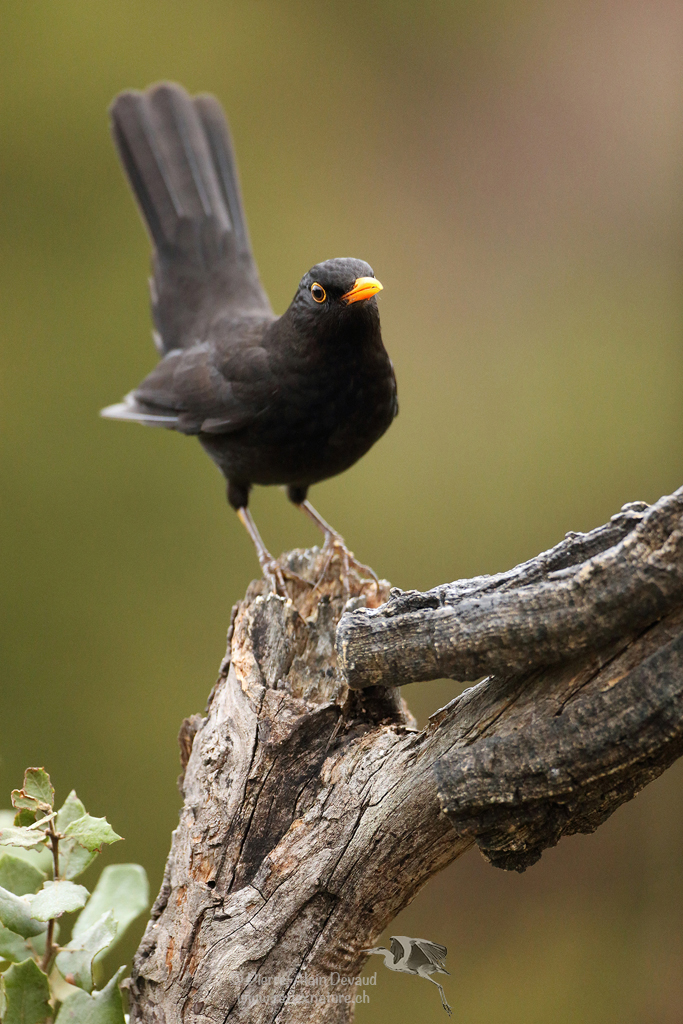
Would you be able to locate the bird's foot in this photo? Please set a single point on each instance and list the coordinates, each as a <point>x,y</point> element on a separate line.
<point>275,575</point>
<point>334,544</point>
<point>273,572</point>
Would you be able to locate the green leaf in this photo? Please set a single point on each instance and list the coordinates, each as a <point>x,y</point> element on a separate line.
<point>123,889</point>
<point>37,792</point>
<point>57,898</point>
<point>105,1007</point>
<point>26,994</point>
<point>22,801</point>
<point>12,946</point>
<point>19,876</point>
<point>24,817</point>
<point>15,914</point>
<point>71,810</point>
<point>26,837</point>
<point>60,990</point>
<point>76,959</point>
<point>73,858</point>
<point>41,857</point>
<point>37,784</point>
<point>91,832</point>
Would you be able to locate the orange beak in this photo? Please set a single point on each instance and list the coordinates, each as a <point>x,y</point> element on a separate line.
<point>363,288</point>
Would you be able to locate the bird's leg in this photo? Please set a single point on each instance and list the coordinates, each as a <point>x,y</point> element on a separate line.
<point>441,992</point>
<point>270,568</point>
<point>274,573</point>
<point>333,541</point>
<point>443,998</point>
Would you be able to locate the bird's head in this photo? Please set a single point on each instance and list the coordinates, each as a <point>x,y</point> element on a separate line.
<point>337,294</point>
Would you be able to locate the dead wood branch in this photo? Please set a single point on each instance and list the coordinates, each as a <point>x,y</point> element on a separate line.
<point>313,813</point>
<point>581,595</point>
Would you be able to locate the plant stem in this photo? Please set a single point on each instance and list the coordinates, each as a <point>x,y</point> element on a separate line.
<point>49,946</point>
<point>54,840</point>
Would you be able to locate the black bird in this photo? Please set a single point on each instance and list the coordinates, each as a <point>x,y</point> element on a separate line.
<point>273,400</point>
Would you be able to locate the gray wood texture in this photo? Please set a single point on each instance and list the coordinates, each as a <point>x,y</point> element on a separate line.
<point>578,596</point>
<point>314,812</point>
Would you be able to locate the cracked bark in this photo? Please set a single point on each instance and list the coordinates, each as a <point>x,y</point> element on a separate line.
<point>314,812</point>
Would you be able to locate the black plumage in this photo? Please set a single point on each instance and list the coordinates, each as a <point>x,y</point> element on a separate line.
<point>289,400</point>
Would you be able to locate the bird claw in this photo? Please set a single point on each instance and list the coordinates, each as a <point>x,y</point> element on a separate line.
<point>274,574</point>
<point>334,544</point>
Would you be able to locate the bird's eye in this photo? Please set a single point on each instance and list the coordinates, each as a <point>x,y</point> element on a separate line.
<point>318,292</point>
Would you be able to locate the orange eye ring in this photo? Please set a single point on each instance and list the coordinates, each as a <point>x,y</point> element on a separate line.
<point>318,292</point>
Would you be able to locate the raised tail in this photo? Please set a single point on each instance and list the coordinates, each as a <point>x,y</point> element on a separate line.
<point>179,160</point>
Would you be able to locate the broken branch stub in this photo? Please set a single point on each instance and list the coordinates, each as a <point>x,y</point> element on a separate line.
<point>581,595</point>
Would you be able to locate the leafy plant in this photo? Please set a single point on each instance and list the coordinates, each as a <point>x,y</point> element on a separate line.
<point>42,851</point>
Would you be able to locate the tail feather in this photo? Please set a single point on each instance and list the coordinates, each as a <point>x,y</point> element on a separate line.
<point>179,160</point>
<point>167,157</point>
<point>129,409</point>
<point>220,144</point>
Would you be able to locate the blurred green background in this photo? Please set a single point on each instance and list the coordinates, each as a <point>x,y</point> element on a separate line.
<point>512,172</point>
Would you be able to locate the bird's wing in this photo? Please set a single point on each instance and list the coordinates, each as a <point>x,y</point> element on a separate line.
<point>398,949</point>
<point>424,951</point>
<point>179,160</point>
<point>196,390</point>
<point>401,946</point>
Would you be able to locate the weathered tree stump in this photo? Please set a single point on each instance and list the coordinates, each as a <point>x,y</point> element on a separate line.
<point>314,812</point>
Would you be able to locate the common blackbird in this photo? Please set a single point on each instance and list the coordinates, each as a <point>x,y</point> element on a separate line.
<point>273,400</point>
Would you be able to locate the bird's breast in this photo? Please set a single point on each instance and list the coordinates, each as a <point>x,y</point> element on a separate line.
<point>322,416</point>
